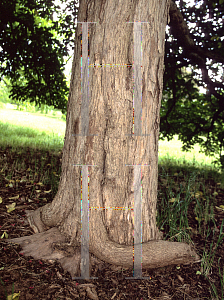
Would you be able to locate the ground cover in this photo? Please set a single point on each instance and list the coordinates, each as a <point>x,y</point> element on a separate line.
<point>190,209</point>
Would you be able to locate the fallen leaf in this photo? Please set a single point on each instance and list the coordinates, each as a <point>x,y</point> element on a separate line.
<point>15,296</point>
<point>46,192</point>
<point>16,197</point>
<point>11,207</point>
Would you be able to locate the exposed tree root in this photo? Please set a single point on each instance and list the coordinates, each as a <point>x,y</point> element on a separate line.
<point>51,245</point>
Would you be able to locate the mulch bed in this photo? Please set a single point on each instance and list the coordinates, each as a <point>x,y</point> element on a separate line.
<point>38,279</point>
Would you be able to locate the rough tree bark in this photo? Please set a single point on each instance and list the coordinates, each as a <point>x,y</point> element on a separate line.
<point>58,225</point>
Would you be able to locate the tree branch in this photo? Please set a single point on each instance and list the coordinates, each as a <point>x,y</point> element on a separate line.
<point>196,54</point>
<point>181,32</point>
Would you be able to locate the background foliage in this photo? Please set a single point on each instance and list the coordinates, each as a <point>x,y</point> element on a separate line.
<point>34,47</point>
<point>33,50</point>
<point>194,60</point>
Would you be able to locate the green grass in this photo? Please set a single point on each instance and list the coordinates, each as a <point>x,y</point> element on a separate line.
<point>172,151</point>
<point>21,129</point>
<point>47,132</point>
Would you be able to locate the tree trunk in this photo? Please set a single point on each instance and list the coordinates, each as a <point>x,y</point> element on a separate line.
<point>111,150</point>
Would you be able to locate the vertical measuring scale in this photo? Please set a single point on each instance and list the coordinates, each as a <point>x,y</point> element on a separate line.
<point>137,97</point>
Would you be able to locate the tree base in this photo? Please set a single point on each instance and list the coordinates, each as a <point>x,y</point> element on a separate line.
<point>52,245</point>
